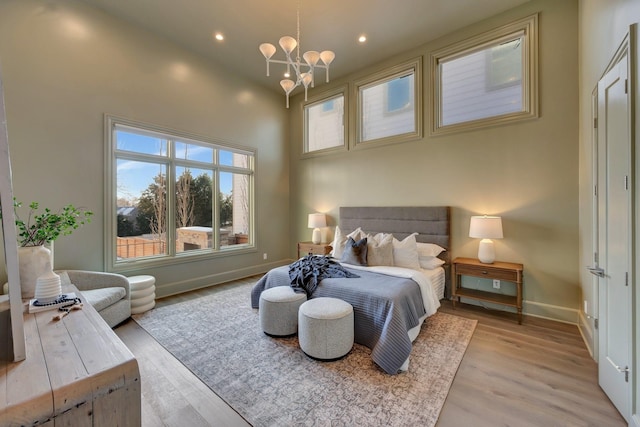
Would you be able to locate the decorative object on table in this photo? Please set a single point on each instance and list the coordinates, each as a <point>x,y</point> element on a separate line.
<point>63,301</point>
<point>33,262</point>
<point>48,288</point>
<point>288,45</point>
<point>317,221</point>
<point>486,228</point>
<point>39,230</point>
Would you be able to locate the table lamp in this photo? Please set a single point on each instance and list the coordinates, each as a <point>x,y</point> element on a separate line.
<point>486,228</point>
<point>317,221</point>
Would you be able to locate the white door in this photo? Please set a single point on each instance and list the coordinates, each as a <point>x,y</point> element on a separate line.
<point>614,237</point>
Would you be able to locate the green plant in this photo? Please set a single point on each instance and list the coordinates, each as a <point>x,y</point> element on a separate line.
<point>48,226</point>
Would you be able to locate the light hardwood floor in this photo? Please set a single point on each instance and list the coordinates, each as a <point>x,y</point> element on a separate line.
<point>535,374</point>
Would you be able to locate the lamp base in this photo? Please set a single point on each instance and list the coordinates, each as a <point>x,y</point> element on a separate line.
<point>315,237</point>
<point>486,251</point>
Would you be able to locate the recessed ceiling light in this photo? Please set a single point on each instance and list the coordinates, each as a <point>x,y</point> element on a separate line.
<point>219,36</point>
<point>362,38</point>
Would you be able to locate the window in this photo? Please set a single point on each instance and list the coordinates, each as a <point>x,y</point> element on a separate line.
<point>486,80</point>
<point>173,196</point>
<point>389,105</point>
<point>324,123</point>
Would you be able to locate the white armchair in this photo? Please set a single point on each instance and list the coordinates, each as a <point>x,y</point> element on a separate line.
<point>108,293</point>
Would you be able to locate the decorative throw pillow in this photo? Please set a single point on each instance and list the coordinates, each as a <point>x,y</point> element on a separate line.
<point>340,239</point>
<point>355,252</point>
<point>429,249</point>
<point>380,249</point>
<point>405,252</point>
<point>429,263</point>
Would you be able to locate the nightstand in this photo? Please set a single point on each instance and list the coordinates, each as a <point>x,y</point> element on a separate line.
<point>508,271</point>
<point>305,248</point>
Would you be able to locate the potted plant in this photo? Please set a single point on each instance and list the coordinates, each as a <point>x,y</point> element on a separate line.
<point>38,230</point>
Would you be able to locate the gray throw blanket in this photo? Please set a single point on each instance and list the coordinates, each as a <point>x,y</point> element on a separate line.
<point>307,272</point>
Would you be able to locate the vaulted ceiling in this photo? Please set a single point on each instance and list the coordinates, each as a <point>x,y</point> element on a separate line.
<point>390,26</point>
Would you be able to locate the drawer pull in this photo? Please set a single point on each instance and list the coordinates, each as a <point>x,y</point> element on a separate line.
<point>484,272</point>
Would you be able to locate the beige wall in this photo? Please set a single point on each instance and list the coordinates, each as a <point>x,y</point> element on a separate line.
<point>66,64</point>
<point>525,172</point>
<point>603,26</point>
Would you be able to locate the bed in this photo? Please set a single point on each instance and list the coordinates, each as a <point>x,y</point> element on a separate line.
<point>390,302</point>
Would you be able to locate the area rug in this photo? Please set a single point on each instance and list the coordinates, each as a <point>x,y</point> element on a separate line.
<point>270,382</point>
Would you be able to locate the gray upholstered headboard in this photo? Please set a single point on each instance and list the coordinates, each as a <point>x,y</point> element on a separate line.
<point>432,223</point>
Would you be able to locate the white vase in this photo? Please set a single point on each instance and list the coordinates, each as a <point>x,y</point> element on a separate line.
<point>48,287</point>
<point>34,261</point>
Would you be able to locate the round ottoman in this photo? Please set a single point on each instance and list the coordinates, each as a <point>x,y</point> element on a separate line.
<point>325,328</point>
<point>143,293</point>
<point>278,308</point>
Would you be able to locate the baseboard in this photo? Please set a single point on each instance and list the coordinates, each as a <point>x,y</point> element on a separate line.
<point>586,330</point>
<point>179,287</point>
<point>635,420</point>
<point>551,312</point>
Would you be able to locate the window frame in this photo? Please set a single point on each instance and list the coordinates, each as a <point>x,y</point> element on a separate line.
<point>112,154</point>
<point>411,66</point>
<point>528,27</point>
<point>319,99</point>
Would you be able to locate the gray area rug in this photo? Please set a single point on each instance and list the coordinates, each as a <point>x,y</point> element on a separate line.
<point>270,382</point>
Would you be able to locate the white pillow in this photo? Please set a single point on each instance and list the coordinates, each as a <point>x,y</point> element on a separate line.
<point>429,263</point>
<point>340,239</point>
<point>429,249</point>
<point>380,249</point>
<point>405,252</point>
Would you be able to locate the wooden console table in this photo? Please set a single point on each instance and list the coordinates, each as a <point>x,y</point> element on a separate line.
<point>77,372</point>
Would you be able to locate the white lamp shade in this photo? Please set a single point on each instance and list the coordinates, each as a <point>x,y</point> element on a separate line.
<point>306,79</point>
<point>287,85</point>
<point>267,50</point>
<point>317,220</point>
<point>288,43</point>
<point>327,56</point>
<point>312,57</point>
<point>486,227</point>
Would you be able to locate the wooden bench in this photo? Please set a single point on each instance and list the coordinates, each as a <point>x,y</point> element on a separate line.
<point>77,372</point>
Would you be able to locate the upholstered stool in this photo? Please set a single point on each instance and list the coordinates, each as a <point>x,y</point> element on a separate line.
<point>325,328</point>
<point>278,308</point>
<point>143,293</point>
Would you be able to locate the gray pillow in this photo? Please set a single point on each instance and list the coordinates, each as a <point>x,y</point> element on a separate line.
<point>355,252</point>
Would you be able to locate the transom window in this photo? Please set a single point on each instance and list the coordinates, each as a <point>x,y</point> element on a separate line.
<point>486,80</point>
<point>324,123</point>
<point>389,105</point>
<point>175,196</point>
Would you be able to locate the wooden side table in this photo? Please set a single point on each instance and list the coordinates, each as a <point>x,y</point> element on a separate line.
<point>310,248</point>
<point>508,271</point>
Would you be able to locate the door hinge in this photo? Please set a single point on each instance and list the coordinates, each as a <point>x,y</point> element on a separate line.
<point>595,191</point>
<point>626,85</point>
<point>595,123</point>
<point>595,258</point>
<point>626,278</point>
<point>595,323</point>
<point>626,182</point>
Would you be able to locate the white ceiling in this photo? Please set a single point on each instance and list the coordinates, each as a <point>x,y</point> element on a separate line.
<point>390,26</point>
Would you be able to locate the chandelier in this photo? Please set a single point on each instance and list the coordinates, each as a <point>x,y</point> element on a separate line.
<point>303,76</point>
